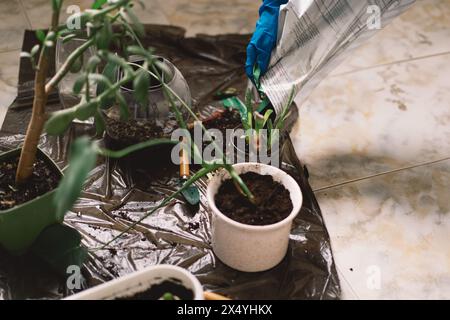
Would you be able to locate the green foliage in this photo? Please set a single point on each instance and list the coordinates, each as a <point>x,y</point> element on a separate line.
<point>98,4</point>
<point>40,34</point>
<point>82,160</point>
<point>59,121</point>
<point>141,84</point>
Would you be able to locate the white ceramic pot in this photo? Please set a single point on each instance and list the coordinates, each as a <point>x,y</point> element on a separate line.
<point>247,247</point>
<point>140,281</point>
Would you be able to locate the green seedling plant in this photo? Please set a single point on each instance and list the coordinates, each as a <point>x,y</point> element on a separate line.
<point>256,117</point>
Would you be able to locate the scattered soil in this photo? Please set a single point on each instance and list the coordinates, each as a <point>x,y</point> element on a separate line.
<point>273,202</point>
<point>156,291</point>
<point>44,179</point>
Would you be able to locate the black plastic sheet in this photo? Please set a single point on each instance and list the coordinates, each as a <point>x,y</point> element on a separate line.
<point>119,192</point>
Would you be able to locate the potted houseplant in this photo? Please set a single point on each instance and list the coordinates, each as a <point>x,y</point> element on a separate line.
<point>30,198</point>
<point>161,282</point>
<point>253,236</point>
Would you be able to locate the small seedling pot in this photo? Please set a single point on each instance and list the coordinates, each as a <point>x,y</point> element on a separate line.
<point>22,224</point>
<point>245,247</point>
<point>140,281</point>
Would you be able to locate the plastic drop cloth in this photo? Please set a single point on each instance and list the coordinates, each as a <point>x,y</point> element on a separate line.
<point>117,193</point>
<point>314,36</point>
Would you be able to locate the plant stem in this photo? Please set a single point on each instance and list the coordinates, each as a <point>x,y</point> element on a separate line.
<point>38,115</point>
<point>65,68</point>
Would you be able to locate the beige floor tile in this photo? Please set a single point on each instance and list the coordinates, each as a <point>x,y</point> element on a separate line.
<point>9,71</point>
<point>375,120</point>
<point>421,31</point>
<point>390,234</point>
<point>12,25</point>
<point>212,16</point>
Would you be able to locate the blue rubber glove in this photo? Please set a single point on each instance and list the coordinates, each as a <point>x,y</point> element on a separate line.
<point>264,38</point>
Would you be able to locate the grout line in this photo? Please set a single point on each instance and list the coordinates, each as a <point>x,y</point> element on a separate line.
<point>342,276</point>
<point>380,174</point>
<point>24,12</point>
<point>390,63</point>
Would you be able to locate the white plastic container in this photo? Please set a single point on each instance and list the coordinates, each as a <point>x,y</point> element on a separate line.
<point>247,247</point>
<point>140,281</point>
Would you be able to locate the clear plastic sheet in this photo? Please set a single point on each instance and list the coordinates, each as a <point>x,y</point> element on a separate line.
<point>119,192</point>
<point>315,36</point>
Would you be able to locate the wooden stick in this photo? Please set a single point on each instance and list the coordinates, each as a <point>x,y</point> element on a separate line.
<point>214,296</point>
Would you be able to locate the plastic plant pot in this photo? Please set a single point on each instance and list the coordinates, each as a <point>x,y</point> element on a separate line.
<point>140,281</point>
<point>22,224</point>
<point>245,247</point>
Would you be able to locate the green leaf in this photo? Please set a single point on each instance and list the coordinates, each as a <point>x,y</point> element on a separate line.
<point>256,76</point>
<point>25,54</point>
<point>60,247</point>
<point>56,5</point>
<point>266,116</point>
<point>49,43</point>
<point>40,34</point>
<point>104,35</point>
<point>98,4</point>
<point>59,121</point>
<point>279,121</point>
<point>34,50</point>
<point>82,160</point>
<point>92,63</point>
<point>99,78</point>
<point>141,84</point>
<point>100,124</point>
<point>123,107</point>
<point>86,109</point>
<point>77,65</point>
<point>110,72</point>
<point>262,105</point>
<point>236,103</point>
<point>116,60</point>
<point>79,84</point>
<point>259,120</point>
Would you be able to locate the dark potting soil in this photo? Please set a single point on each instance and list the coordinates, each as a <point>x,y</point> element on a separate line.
<point>273,202</point>
<point>44,179</point>
<point>156,291</point>
<point>133,131</point>
<point>222,120</point>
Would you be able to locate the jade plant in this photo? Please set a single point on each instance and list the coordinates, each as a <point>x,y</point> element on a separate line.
<point>107,24</point>
<point>96,27</point>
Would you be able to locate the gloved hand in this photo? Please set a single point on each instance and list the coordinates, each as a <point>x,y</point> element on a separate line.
<point>264,38</point>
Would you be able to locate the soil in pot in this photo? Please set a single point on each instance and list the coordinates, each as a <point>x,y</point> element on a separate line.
<point>44,179</point>
<point>157,291</point>
<point>272,200</point>
<point>132,131</point>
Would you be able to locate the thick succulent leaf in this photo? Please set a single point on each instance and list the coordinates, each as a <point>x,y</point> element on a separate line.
<point>82,160</point>
<point>59,121</point>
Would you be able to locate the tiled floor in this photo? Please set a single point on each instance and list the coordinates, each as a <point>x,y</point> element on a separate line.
<point>375,136</point>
